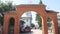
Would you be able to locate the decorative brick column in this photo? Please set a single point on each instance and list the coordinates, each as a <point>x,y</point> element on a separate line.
<point>17,25</point>
<point>6,24</point>
<point>45,26</point>
<point>55,21</point>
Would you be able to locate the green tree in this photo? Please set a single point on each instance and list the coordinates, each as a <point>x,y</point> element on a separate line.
<point>1,20</point>
<point>5,7</point>
<point>39,20</point>
<point>49,20</point>
<point>8,6</point>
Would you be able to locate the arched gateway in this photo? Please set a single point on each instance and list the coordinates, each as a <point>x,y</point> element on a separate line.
<point>40,9</point>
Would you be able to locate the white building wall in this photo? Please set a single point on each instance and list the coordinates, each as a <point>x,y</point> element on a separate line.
<point>27,17</point>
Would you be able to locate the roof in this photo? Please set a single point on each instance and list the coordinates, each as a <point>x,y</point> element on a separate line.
<point>30,5</point>
<point>51,11</point>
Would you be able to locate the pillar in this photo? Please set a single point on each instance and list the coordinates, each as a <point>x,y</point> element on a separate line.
<point>17,25</point>
<point>45,26</point>
<point>55,21</point>
<point>5,25</point>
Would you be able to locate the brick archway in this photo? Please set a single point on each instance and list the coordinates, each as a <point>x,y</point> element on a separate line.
<point>40,9</point>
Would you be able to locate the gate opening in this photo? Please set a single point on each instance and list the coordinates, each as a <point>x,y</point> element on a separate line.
<point>11,26</point>
<point>30,23</point>
<point>50,26</point>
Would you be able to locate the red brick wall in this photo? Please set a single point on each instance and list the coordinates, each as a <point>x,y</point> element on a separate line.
<point>20,9</point>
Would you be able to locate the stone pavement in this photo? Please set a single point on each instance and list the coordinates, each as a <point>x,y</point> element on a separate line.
<point>36,31</point>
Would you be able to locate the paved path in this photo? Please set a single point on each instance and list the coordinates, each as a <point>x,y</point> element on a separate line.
<point>36,31</point>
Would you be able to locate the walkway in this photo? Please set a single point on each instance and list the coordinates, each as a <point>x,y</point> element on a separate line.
<point>36,31</point>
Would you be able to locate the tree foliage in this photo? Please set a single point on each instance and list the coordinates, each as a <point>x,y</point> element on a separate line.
<point>12,20</point>
<point>39,20</point>
<point>1,20</point>
<point>49,20</point>
<point>8,6</point>
<point>5,7</point>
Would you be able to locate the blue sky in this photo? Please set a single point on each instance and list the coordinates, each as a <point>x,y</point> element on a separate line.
<point>50,4</point>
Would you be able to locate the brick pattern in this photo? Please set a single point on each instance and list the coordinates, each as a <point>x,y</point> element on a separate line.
<point>20,9</point>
